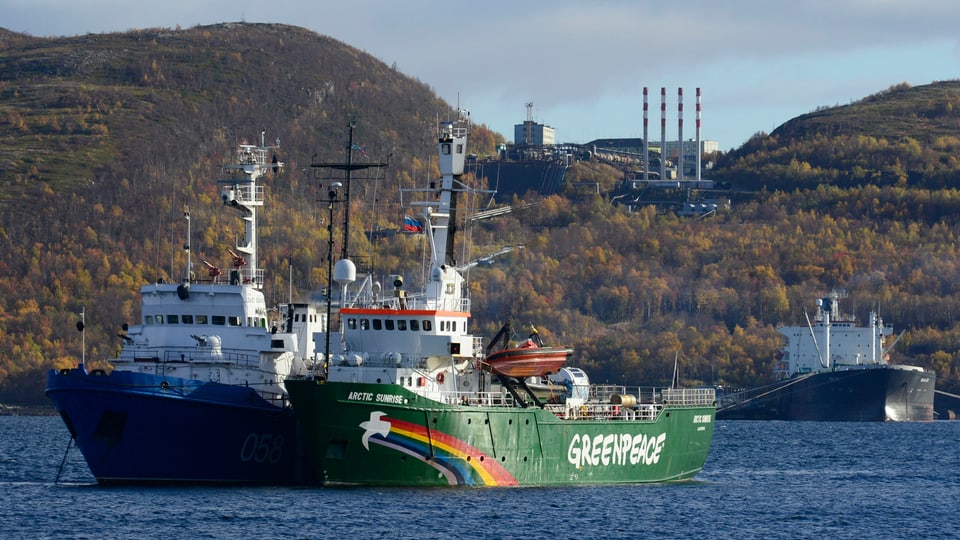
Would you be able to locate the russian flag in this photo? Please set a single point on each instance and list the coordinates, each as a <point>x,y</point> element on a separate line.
<point>411,225</point>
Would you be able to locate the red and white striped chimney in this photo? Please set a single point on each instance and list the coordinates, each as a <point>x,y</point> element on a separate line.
<point>646,147</point>
<point>680,133</point>
<point>698,134</point>
<point>663,132</point>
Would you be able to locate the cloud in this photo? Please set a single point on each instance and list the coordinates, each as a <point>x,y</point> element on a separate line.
<point>583,64</point>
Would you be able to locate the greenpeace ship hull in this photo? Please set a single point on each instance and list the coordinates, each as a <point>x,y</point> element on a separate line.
<point>868,394</point>
<point>413,400</point>
<point>385,435</point>
<point>135,428</point>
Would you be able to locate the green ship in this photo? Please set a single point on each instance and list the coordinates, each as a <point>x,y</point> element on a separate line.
<point>408,397</point>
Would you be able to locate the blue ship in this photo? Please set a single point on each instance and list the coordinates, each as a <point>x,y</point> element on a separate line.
<point>196,393</point>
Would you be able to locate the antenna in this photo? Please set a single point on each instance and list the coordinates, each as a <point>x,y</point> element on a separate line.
<point>333,197</point>
<point>348,168</point>
<point>186,247</point>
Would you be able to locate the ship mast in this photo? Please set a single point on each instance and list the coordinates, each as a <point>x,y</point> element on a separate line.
<point>452,143</point>
<point>347,167</point>
<point>444,282</point>
<point>242,193</point>
<point>827,308</point>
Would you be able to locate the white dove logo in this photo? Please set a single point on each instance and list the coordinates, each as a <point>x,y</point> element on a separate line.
<point>374,426</point>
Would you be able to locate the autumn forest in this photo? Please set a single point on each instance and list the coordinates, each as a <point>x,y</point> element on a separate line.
<point>106,139</point>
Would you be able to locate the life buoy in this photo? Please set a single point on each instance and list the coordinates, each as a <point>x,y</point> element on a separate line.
<point>440,378</point>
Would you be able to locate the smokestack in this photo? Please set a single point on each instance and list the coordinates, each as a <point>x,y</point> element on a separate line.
<point>646,147</point>
<point>680,133</point>
<point>663,132</point>
<point>698,134</point>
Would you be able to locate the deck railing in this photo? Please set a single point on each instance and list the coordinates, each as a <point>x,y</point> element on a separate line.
<point>610,402</point>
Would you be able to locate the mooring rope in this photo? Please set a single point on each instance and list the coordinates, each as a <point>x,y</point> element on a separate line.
<point>63,461</point>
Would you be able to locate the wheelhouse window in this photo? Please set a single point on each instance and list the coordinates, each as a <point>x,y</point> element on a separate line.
<point>377,324</point>
<point>218,320</point>
<point>389,324</point>
<point>201,319</point>
<point>415,325</point>
<point>427,325</point>
<point>187,319</point>
<point>401,324</point>
<point>233,321</point>
<point>364,324</point>
<point>352,324</point>
<point>173,319</point>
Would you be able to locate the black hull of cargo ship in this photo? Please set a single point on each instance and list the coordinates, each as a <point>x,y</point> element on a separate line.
<point>946,406</point>
<point>859,394</point>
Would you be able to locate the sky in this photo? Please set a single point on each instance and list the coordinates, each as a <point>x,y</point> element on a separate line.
<point>583,64</point>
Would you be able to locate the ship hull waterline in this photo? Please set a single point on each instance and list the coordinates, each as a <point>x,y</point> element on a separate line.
<point>871,394</point>
<point>375,434</point>
<point>140,429</point>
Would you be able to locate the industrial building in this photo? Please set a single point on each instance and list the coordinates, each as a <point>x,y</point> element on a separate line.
<point>532,134</point>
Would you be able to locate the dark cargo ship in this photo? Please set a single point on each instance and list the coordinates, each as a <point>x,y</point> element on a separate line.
<point>834,370</point>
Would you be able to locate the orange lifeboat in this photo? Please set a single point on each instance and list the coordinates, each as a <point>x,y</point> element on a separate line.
<point>527,360</point>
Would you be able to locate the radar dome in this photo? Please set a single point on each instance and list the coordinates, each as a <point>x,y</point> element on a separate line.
<point>344,271</point>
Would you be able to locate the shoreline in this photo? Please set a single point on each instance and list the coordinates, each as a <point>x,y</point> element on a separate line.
<point>26,410</point>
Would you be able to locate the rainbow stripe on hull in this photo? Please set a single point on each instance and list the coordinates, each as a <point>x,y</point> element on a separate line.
<point>449,455</point>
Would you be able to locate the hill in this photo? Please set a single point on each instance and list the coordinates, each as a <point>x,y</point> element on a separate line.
<point>908,136</point>
<point>105,138</point>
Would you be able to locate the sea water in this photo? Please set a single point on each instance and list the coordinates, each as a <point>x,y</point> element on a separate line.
<point>761,480</point>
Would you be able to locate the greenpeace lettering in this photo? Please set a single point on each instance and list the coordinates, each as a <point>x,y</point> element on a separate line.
<point>615,449</point>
